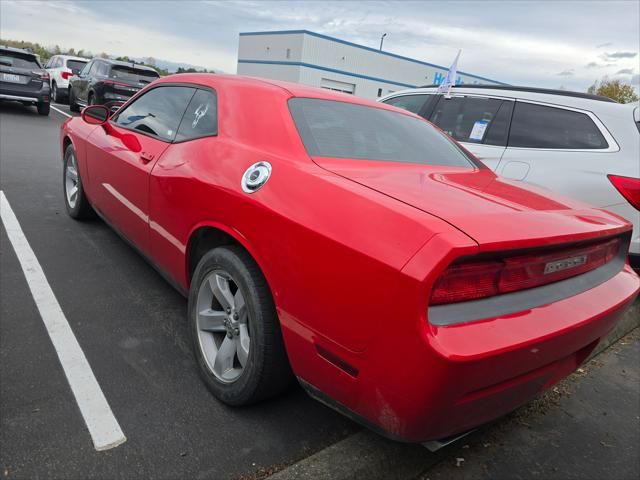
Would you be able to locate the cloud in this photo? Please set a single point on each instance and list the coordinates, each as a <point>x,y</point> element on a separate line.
<point>625,71</point>
<point>617,55</point>
<point>498,41</point>
<point>565,73</point>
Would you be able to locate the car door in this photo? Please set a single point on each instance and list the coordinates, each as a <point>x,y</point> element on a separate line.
<point>480,123</point>
<point>80,83</point>
<point>173,211</point>
<point>120,157</point>
<point>562,149</point>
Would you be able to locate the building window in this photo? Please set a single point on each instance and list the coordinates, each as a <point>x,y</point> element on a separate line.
<point>379,92</point>
<point>337,86</point>
<point>288,53</point>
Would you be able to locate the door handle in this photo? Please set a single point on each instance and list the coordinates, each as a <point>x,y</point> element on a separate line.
<point>146,157</point>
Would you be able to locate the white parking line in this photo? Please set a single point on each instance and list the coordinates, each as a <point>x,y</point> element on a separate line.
<point>60,111</point>
<point>102,424</point>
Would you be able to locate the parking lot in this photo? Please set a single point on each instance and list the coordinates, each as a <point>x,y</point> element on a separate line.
<point>131,326</point>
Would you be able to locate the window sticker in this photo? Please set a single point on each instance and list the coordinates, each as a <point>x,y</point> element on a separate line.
<point>199,113</point>
<point>478,130</point>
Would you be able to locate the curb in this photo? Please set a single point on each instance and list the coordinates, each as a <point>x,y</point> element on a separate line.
<point>368,456</point>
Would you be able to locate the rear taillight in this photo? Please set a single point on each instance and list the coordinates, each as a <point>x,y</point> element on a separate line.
<point>44,75</point>
<point>66,75</point>
<point>113,82</point>
<point>628,187</point>
<point>473,280</point>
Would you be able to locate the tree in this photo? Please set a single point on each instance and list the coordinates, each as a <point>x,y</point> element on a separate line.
<point>614,89</point>
<point>104,55</point>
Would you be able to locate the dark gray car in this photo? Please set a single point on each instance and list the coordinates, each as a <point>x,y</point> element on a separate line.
<point>23,79</point>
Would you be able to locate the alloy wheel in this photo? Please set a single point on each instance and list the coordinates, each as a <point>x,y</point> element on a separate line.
<point>71,180</point>
<point>223,327</point>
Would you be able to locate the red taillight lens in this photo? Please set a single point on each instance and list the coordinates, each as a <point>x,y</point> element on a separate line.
<point>44,76</point>
<point>113,82</point>
<point>628,187</point>
<point>66,75</point>
<point>469,281</point>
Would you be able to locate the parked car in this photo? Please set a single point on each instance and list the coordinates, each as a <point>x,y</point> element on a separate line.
<point>23,79</point>
<point>61,68</point>
<point>103,81</point>
<point>353,244</point>
<point>580,145</point>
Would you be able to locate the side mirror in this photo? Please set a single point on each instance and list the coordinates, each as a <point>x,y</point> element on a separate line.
<point>95,114</point>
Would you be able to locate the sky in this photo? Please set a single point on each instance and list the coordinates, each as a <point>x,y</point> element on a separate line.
<point>544,43</point>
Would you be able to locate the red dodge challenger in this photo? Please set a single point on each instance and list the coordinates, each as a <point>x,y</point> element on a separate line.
<point>351,245</point>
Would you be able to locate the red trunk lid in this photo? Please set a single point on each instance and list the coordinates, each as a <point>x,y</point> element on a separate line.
<point>495,212</point>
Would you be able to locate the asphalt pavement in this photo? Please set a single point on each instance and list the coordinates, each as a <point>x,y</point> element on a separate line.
<point>131,326</point>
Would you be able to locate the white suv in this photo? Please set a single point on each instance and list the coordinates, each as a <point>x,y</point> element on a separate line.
<point>61,68</point>
<point>580,145</point>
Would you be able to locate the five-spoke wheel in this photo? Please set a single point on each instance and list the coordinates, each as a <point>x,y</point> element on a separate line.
<point>236,333</point>
<point>223,329</point>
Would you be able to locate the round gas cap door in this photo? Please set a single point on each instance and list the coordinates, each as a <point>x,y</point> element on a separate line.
<point>256,176</point>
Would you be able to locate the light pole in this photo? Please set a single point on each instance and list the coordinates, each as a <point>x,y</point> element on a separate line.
<point>382,40</point>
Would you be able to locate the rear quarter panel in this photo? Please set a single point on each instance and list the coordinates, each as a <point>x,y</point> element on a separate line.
<point>330,249</point>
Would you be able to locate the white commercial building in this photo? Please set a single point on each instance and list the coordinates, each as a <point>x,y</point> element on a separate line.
<point>318,60</point>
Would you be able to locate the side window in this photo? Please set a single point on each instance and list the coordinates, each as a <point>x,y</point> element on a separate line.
<point>467,119</point>
<point>157,113</point>
<point>102,70</point>
<point>58,63</point>
<point>201,117</point>
<point>498,131</point>
<point>85,71</point>
<point>413,103</point>
<point>50,62</point>
<point>538,126</point>
<point>93,68</point>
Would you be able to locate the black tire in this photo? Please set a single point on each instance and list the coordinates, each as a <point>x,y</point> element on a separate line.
<point>267,371</point>
<point>57,95</point>
<point>82,209</point>
<point>73,106</point>
<point>44,108</point>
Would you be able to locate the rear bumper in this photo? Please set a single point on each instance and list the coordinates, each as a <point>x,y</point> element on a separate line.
<point>23,95</point>
<point>438,381</point>
<point>490,368</point>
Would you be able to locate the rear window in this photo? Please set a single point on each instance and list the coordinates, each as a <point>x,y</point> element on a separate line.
<point>343,130</point>
<point>131,74</point>
<point>75,66</point>
<point>18,60</point>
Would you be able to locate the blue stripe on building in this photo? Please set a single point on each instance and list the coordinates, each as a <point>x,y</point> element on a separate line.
<point>326,69</point>
<point>363,47</point>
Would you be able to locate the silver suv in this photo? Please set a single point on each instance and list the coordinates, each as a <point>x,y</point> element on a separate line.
<point>580,145</point>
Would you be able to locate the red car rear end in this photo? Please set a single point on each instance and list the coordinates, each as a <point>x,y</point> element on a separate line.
<point>402,281</point>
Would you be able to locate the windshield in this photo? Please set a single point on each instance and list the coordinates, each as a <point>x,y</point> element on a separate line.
<point>18,60</point>
<point>75,66</point>
<point>344,130</point>
<point>130,74</point>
